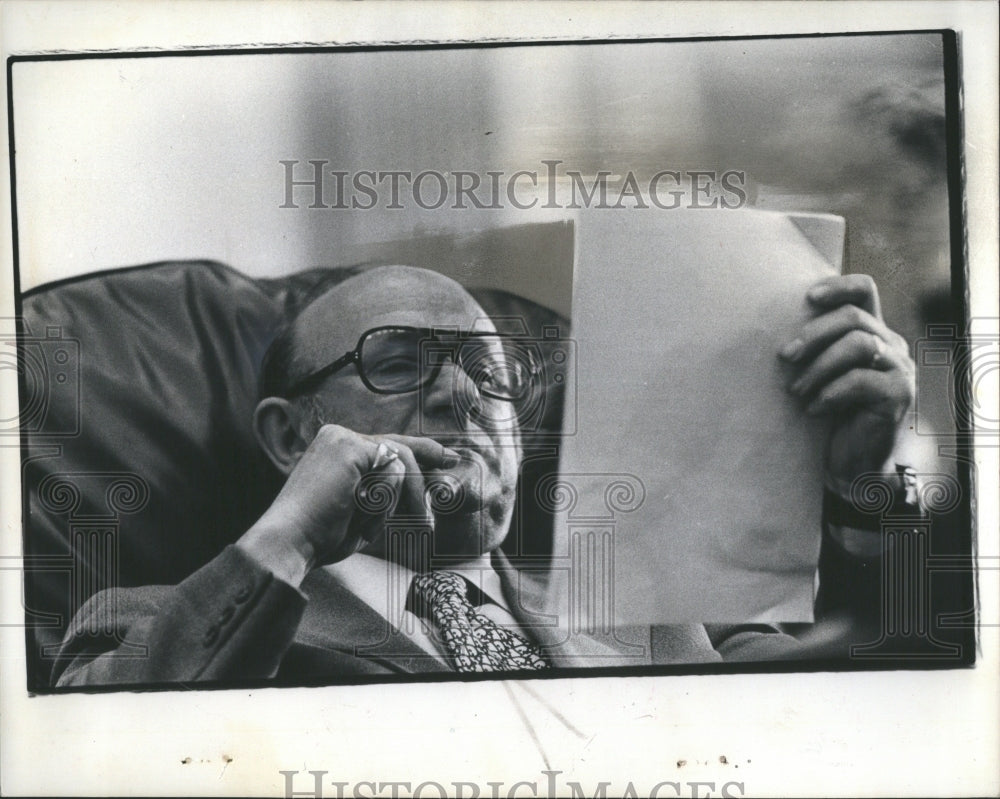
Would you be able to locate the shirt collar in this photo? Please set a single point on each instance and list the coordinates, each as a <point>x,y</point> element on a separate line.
<point>481,574</point>
<point>383,585</point>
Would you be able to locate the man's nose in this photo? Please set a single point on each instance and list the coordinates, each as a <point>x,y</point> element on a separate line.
<point>452,393</point>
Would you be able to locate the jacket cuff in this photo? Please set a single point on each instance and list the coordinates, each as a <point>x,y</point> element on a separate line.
<point>854,518</point>
<point>244,619</point>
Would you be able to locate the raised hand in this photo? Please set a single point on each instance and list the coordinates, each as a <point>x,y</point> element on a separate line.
<point>321,514</point>
<point>854,368</point>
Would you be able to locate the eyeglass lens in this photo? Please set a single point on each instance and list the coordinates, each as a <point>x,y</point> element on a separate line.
<point>392,361</point>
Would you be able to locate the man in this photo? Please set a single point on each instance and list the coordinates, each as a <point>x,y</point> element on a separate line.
<point>381,552</point>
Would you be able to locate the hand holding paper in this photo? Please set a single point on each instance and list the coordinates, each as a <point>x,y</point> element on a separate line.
<point>855,368</point>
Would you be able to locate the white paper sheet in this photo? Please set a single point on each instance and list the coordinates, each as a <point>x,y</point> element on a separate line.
<point>692,488</point>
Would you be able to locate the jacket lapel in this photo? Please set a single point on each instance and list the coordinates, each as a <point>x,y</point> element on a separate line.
<point>338,620</point>
<point>527,596</point>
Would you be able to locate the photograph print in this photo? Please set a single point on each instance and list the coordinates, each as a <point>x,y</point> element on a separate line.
<point>408,363</point>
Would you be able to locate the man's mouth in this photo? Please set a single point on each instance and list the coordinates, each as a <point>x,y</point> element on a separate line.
<point>459,489</point>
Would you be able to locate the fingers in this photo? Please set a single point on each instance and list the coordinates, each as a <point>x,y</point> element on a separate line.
<point>376,496</point>
<point>428,452</point>
<point>859,290</point>
<point>384,455</point>
<point>876,391</point>
<point>408,459</point>
<point>344,485</point>
<point>856,349</point>
<point>847,352</point>
<point>318,501</point>
<point>852,367</point>
<point>336,455</point>
<point>394,485</point>
<point>821,332</point>
<point>411,498</point>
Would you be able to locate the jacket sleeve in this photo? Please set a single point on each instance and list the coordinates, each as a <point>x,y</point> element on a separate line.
<point>229,620</point>
<point>748,643</point>
<point>848,602</point>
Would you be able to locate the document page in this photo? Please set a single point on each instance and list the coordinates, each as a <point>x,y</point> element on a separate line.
<point>691,481</point>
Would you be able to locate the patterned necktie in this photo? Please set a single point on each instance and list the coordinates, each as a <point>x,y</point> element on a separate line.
<point>472,641</point>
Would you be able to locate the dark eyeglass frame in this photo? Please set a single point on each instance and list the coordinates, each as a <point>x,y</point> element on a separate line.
<point>314,378</point>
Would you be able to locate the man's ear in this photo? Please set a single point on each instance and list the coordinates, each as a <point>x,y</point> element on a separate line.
<point>276,424</point>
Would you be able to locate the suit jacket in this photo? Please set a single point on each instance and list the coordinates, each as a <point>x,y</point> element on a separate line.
<point>233,621</point>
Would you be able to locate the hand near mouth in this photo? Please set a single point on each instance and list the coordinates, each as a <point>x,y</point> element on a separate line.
<point>317,518</point>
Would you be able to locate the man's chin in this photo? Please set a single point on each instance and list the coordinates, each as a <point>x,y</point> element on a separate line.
<point>467,535</point>
<point>456,537</point>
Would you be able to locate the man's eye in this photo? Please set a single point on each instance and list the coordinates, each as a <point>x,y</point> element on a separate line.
<point>395,366</point>
<point>493,379</point>
<point>499,377</point>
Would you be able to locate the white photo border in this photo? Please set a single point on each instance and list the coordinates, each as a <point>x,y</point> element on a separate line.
<point>808,734</point>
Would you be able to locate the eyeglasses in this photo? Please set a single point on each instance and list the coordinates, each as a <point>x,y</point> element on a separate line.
<point>398,359</point>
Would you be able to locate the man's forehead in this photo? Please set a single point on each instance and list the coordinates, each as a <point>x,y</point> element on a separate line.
<point>386,295</point>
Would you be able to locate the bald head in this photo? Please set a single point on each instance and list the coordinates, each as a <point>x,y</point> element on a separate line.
<point>396,295</point>
<point>331,323</point>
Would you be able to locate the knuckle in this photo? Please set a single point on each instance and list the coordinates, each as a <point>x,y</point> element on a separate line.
<point>333,436</point>
<point>812,329</point>
<point>857,339</point>
<point>903,392</point>
<point>847,316</point>
<point>855,378</point>
<point>854,315</point>
<point>908,377</point>
<point>909,366</point>
<point>865,283</point>
<point>395,468</point>
<point>329,433</point>
<point>405,452</point>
